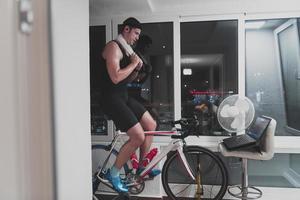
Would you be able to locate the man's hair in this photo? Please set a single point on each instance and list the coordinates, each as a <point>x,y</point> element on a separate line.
<point>132,23</point>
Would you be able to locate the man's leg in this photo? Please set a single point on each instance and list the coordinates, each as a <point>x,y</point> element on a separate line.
<point>136,139</point>
<point>146,121</point>
<point>148,124</point>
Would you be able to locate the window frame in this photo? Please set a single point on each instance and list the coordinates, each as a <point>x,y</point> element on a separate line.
<point>283,144</point>
<point>213,141</point>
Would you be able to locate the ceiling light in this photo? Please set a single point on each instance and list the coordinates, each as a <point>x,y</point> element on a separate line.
<point>187,71</point>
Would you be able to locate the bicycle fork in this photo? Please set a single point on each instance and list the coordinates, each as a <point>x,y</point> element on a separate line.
<point>185,162</point>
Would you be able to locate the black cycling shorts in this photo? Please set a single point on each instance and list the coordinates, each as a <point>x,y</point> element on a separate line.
<point>124,110</point>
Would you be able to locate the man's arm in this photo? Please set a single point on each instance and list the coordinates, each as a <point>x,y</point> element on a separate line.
<point>112,54</point>
<point>145,69</point>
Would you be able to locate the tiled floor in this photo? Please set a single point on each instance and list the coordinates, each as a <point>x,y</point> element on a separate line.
<point>268,194</point>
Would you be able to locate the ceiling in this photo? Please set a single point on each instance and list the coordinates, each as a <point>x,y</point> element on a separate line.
<point>118,7</point>
<point>123,7</point>
<point>144,7</point>
<point>270,23</point>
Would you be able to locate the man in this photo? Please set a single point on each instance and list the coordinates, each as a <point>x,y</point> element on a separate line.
<point>128,115</point>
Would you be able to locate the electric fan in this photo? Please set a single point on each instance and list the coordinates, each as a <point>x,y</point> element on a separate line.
<point>235,113</point>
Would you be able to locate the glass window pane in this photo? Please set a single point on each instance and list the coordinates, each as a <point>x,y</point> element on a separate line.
<point>272,65</point>
<point>156,91</point>
<point>97,43</point>
<point>209,69</point>
<point>281,171</point>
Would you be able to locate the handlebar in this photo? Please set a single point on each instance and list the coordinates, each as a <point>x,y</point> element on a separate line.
<point>188,126</point>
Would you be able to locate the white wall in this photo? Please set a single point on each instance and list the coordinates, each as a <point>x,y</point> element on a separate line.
<point>70,40</point>
<point>9,167</point>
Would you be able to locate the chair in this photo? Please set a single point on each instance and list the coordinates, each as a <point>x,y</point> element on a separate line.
<point>266,153</point>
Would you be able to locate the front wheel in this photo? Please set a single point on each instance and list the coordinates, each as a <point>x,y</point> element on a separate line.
<point>211,178</point>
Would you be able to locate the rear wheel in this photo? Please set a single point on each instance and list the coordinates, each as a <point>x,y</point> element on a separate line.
<point>210,174</point>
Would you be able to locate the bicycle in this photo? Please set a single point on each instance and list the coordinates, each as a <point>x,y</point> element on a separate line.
<point>189,171</point>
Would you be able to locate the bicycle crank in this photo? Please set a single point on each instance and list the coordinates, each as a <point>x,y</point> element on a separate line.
<point>135,184</point>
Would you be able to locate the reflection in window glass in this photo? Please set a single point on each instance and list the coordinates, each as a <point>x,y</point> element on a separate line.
<point>155,92</point>
<point>209,69</point>
<point>97,43</point>
<point>272,65</point>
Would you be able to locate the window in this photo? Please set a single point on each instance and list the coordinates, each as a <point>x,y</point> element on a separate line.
<point>99,124</point>
<point>209,69</point>
<point>272,83</point>
<point>272,71</point>
<point>161,83</point>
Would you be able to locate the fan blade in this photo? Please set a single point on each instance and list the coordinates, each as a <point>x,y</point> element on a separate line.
<point>242,104</point>
<point>237,122</point>
<point>229,111</point>
<point>232,111</point>
<point>223,112</point>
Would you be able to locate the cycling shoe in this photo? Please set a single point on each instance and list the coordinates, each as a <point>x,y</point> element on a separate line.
<point>152,173</point>
<point>116,182</point>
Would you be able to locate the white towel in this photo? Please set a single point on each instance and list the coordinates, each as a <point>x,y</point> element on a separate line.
<point>129,51</point>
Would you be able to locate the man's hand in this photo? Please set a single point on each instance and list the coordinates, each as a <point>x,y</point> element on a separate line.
<point>136,60</point>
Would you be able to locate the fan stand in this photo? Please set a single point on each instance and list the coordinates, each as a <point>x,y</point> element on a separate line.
<point>245,191</point>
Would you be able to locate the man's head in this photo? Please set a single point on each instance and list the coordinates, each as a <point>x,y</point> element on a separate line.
<point>131,30</point>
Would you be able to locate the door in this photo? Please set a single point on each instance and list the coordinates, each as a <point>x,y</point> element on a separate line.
<point>287,37</point>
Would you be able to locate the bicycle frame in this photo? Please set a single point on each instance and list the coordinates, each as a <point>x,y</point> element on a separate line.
<point>174,145</point>
<point>135,181</point>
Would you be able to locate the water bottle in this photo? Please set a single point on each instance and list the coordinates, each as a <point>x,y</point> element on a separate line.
<point>149,157</point>
<point>134,161</point>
